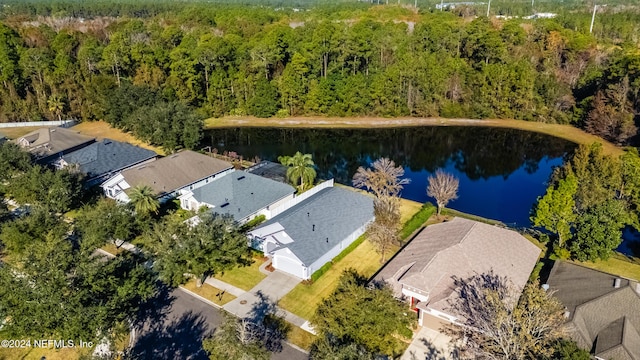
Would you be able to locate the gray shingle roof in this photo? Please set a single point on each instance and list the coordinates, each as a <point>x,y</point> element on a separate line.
<point>107,156</point>
<point>602,317</point>
<point>336,214</point>
<point>174,171</point>
<point>460,248</point>
<point>242,192</point>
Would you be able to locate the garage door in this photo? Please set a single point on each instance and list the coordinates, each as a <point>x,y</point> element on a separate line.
<point>288,265</point>
<point>433,322</point>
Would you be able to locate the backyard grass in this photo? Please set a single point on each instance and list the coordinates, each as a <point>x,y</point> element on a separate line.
<point>304,299</point>
<point>244,277</point>
<point>208,292</point>
<point>566,132</point>
<point>617,264</point>
<point>100,130</point>
<point>16,132</point>
<point>300,338</point>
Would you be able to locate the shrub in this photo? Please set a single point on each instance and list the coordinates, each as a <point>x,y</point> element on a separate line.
<point>417,220</point>
<point>282,113</point>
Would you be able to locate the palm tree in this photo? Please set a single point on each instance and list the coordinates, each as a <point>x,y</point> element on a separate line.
<point>56,105</point>
<point>301,169</point>
<point>144,200</point>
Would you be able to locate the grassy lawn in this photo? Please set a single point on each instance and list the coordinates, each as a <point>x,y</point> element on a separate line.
<point>37,354</point>
<point>208,292</point>
<point>16,132</point>
<point>245,277</point>
<point>617,264</point>
<point>100,130</point>
<point>303,299</point>
<point>566,132</point>
<point>112,249</point>
<point>300,338</point>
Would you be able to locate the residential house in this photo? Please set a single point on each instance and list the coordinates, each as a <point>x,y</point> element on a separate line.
<point>49,143</point>
<point>101,160</point>
<point>602,310</point>
<point>313,228</point>
<point>168,177</point>
<point>240,194</point>
<point>423,271</point>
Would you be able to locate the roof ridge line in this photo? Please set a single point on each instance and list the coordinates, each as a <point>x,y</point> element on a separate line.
<point>603,296</point>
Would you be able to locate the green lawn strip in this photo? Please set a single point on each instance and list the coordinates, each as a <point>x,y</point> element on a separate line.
<point>416,221</point>
<point>304,298</point>
<point>209,292</point>
<point>244,277</point>
<point>301,338</point>
<point>617,264</point>
<point>112,249</point>
<point>451,212</point>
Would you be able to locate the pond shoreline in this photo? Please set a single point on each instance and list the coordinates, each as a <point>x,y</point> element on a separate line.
<point>566,132</point>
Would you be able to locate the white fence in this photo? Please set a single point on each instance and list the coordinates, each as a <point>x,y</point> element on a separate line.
<point>63,123</point>
<point>298,199</point>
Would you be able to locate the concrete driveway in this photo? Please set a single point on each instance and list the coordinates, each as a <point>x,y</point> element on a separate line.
<point>429,344</point>
<point>177,324</point>
<point>272,288</point>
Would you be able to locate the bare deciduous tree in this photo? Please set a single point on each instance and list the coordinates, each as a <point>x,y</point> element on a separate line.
<point>443,187</point>
<point>497,322</point>
<point>383,179</point>
<point>385,230</point>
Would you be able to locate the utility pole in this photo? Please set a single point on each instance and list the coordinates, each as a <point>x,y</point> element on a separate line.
<point>532,3</point>
<point>593,17</point>
<point>488,8</point>
<point>441,5</point>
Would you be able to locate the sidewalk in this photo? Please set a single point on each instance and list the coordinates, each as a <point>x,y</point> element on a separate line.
<point>276,285</point>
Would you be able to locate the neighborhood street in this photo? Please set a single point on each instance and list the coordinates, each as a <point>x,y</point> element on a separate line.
<point>178,324</point>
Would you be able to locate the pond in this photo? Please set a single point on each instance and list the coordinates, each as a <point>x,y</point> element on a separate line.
<point>501,171</point>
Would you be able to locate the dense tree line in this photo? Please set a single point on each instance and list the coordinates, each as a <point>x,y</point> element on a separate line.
<point>159,73</point>
<point>590,200</point>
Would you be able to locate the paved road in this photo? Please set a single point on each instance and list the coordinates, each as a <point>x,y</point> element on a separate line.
<point>179,324</point>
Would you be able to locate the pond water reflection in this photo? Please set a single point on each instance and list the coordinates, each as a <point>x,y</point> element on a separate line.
<point>501,171</point>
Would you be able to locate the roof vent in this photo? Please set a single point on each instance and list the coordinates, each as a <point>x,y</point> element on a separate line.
<point>241,177</point>
<point>225,204</point>
<point>313,227</point>
<point>545,287</point>
<point>327,240</point>
<point>616,283</point>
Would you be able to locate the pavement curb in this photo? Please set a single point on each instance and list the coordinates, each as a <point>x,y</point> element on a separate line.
<point>201,298</point>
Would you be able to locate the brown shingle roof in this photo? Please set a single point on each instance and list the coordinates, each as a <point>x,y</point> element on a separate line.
<point>174,171</point>
<point>601,316</point>
<point>52,140</point>
<point>459,248</point>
